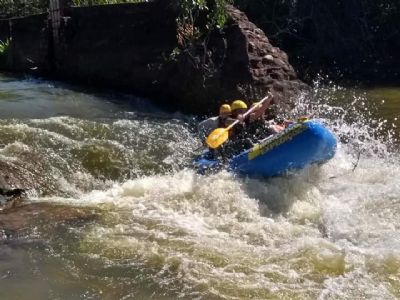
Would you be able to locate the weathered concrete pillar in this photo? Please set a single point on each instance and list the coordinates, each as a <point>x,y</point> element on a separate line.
<point>55,18</point>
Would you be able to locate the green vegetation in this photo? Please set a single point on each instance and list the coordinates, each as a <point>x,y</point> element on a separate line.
<point>357,39</point>
<point>103,2</point>
<point>17,8</point>
<point>4,46</point>
<point>190,10</point>
<point>354,38</point>
<point>198,17</point>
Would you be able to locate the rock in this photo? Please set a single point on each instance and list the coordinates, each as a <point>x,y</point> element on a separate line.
<point>19,174</point>
<point>11,192</point>
<point>10,198</point>
<point>9,202</point>
<point>11,185</point>
<point>268,58</point>
<point>242,65</point>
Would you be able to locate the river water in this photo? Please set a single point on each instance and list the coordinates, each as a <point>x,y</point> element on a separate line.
<point>160,231</point>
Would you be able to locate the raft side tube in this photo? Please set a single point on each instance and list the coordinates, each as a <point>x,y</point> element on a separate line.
<point>297,146</point>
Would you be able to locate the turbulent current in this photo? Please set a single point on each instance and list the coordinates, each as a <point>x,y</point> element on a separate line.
<point>149,227</point>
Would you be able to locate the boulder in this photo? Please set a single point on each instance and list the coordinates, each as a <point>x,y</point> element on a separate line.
<point>237,62</point>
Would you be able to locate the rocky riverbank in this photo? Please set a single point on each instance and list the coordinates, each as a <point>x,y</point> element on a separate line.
<point>134,47</point>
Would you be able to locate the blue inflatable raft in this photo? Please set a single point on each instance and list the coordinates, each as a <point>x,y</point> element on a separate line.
<point>297,146</point>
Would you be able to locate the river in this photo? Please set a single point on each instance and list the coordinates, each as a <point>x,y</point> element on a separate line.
<point>151,228</point>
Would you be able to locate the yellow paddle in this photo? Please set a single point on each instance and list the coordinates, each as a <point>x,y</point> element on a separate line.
<point>219,136</point>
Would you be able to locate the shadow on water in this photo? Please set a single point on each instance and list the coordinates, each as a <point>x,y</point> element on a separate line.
<point>35,242</point>
<point>44,257</point>
<point>29,97</point>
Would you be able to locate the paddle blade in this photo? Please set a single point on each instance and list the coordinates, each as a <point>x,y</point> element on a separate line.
<point>217,137</point>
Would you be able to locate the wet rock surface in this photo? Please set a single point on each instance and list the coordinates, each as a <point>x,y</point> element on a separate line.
<point>25,171</point>
<point>10,187</point>
<point>16,178</point>
<point>268,66</point>
<point>22,174</point>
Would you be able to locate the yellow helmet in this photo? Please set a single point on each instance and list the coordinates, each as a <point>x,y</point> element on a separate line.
<point>238,104</point>
<point>225,109</point>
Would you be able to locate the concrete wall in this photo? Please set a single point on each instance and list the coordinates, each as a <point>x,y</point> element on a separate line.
<point>121,46</point>
<point>117,45</point>
<point>4,30</point>
<point>30,44</point>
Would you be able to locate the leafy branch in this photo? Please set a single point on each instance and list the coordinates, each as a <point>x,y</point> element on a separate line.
<point>199,16</point>
<point>4,46</point>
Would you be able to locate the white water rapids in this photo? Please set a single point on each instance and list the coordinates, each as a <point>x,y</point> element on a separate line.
<point>165,232</point>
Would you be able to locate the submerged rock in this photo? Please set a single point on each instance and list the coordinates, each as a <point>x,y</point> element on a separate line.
<point>25,171</point>
<point>14,182</point>
<point>10,198</point>
<point>23,217</point>
<point>17,215</point>
<point>11,190</point>
<point>21,174</point>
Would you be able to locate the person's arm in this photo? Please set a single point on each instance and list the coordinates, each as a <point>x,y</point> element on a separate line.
<point>259,111</point>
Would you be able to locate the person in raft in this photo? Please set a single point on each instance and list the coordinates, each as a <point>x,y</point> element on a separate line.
<point>221,121</point>
<point>263,124</point>
<point>250,129</point>
<point>255,123</point>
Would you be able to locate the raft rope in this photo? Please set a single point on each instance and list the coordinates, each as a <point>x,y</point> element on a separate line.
<point>355,165</point>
